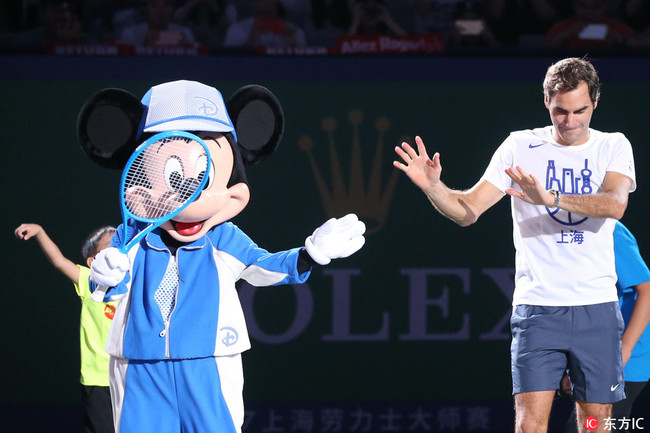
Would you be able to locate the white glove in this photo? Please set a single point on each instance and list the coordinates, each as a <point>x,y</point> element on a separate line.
<point>109,267</point>
<point>336,238</point>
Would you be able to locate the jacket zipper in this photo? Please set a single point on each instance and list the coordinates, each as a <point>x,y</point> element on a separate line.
<point>169,319</point>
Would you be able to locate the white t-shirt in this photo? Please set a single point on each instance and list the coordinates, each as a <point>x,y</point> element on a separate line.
<point>562,258</point>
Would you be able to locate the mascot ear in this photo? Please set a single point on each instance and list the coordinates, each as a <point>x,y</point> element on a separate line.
<point>258,120</point>
<point>107,127</point>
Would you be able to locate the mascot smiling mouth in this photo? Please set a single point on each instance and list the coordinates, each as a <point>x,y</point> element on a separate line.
<point>187,228</point>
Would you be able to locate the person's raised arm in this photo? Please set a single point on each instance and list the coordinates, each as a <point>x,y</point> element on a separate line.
<point>610,202</point>
<point>50,249</point>
<point>462,207</point>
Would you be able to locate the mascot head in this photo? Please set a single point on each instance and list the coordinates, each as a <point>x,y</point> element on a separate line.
<point>243,132</point>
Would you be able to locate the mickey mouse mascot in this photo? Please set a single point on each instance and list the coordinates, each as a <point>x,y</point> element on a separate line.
<point>179,329</point>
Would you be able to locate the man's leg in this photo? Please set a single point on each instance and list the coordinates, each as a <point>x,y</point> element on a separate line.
<point>532,411</point>
<point>595,363</point>
<point>539,347</point>
<point>600,411</point>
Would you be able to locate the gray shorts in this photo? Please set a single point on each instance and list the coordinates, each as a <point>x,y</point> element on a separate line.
<point>586,340</point>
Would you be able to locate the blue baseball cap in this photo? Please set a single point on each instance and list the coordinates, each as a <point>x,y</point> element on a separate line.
<point>186,106</point>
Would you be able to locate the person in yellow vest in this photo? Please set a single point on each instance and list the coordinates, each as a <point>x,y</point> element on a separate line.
<point>96,319</point>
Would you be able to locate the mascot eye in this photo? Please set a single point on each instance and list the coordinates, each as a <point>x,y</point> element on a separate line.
<point>202,163</point>
<point>174,173</point>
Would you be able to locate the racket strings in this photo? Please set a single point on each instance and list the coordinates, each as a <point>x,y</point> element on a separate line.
<point>164,177</point>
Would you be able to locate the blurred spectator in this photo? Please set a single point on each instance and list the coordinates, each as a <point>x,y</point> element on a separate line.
<point>296,12</point>
<point>158,30</point>
<point>321,29</point>
<point>372,17</point>
<point>126,13</point>
<point>590,27</point>
<point>434,16</point>
<point>470,29</point>
<point>208,19</point>
<point>59,25</point>
<point>524,22</point>
<point>267,27</point>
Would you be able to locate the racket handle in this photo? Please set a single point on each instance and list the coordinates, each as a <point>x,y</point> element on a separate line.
<point>99,293</point>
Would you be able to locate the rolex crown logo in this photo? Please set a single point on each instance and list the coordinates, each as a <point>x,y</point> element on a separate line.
<point>364,195</point>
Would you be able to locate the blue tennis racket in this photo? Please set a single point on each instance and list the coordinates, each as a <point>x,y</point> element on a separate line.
<point>163,176</point>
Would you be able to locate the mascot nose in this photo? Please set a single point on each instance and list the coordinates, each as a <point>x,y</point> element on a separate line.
<point>188,187</point>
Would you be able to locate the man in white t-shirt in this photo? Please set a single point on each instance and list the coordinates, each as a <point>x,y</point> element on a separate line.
<point>568,185</point>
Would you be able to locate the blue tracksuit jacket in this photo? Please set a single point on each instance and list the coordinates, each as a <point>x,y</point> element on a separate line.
<point>207,318</point>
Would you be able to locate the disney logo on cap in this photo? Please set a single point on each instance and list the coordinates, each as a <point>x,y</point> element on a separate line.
<point>207,108</point>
